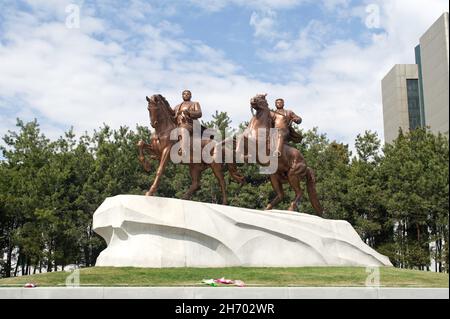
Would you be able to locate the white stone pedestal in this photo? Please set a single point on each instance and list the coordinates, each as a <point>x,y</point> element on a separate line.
<point>162,232</point>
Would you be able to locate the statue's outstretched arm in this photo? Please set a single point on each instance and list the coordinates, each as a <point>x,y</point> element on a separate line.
<point>295,118</point>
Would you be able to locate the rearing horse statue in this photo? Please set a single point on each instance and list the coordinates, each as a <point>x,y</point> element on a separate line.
<point>163,121</point>
<point>292,167</point>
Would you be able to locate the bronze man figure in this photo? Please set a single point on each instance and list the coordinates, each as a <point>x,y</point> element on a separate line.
<point>292,167</point>
<point>282,120</point>
<point>185,113</point>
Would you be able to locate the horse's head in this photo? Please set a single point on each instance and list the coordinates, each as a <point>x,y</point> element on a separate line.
<point>259,102</point>
<point>159,110</point>
<point>153,105</point>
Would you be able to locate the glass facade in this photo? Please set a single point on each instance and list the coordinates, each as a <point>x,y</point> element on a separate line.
<point>421,99</point>
<point>415,119</point>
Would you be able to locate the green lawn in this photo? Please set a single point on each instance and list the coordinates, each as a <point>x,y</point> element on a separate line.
<point>276,277</point>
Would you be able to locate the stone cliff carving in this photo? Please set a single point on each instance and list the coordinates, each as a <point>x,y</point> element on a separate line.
<point>160,232</point>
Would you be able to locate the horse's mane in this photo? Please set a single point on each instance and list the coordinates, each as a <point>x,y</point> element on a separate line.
<point>167,105</point>
<point>263,97</point>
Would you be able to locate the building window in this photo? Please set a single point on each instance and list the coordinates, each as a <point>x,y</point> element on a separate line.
<point>412,86</point>
<point>421,98</point>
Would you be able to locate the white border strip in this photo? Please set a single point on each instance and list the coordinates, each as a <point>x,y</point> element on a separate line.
<point>222,293</point>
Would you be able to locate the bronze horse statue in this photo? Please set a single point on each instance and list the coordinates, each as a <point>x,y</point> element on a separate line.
<point>162,119</point>
<point>291,168</point>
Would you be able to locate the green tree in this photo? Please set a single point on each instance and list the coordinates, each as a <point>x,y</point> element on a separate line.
<point>26,154</point>
<point>395,197</point>
<point>415,174</point>
<point>330,162</point>
<point>366,192</point>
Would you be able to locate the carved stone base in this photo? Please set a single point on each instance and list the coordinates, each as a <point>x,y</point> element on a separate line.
<point>163,232</point>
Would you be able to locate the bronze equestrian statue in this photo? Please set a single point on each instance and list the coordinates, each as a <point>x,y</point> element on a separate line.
<point>292,167</point>
<point>164,120</point>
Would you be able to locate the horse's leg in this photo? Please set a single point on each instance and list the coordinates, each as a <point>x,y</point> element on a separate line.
<point>195,170</point>
<point>240,144</point>
<point>162,165</point>
<point>142,146</point>
<point>217,170</point>
<point>243,151</point>
<point>296,173</point>
<point>294,181</point>
<point>278,188</point>
<point>312,194</point>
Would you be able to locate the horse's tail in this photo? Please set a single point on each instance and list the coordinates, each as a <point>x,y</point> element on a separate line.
<point>234,173</point>
<point>312,194</point>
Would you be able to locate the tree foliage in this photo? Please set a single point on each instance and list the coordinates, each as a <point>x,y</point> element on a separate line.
<point>395,196</point>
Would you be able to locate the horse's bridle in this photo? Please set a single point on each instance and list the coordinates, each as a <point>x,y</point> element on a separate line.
<point>149,107</point>
<point>253,110</point>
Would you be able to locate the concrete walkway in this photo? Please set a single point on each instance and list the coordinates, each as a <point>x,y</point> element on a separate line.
<point>222,293</point>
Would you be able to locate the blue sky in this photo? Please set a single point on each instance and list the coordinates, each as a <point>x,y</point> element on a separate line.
<point>325,58</point>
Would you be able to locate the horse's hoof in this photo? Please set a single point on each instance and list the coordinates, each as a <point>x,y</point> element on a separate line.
<point>269,207</point>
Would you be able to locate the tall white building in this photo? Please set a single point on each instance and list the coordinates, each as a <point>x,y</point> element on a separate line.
<point>418,94</point>
<point>434,64</point>
<point>401,102</point>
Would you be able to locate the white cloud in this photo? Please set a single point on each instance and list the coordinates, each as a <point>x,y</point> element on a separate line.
<point>308,43</point>
<point>342,89</point>
<point>100,74</point>
<point>264,24</point>
<point>332,5</point>
<point>217,5</point>
<point>335,6</point>
<point>71,77</point>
